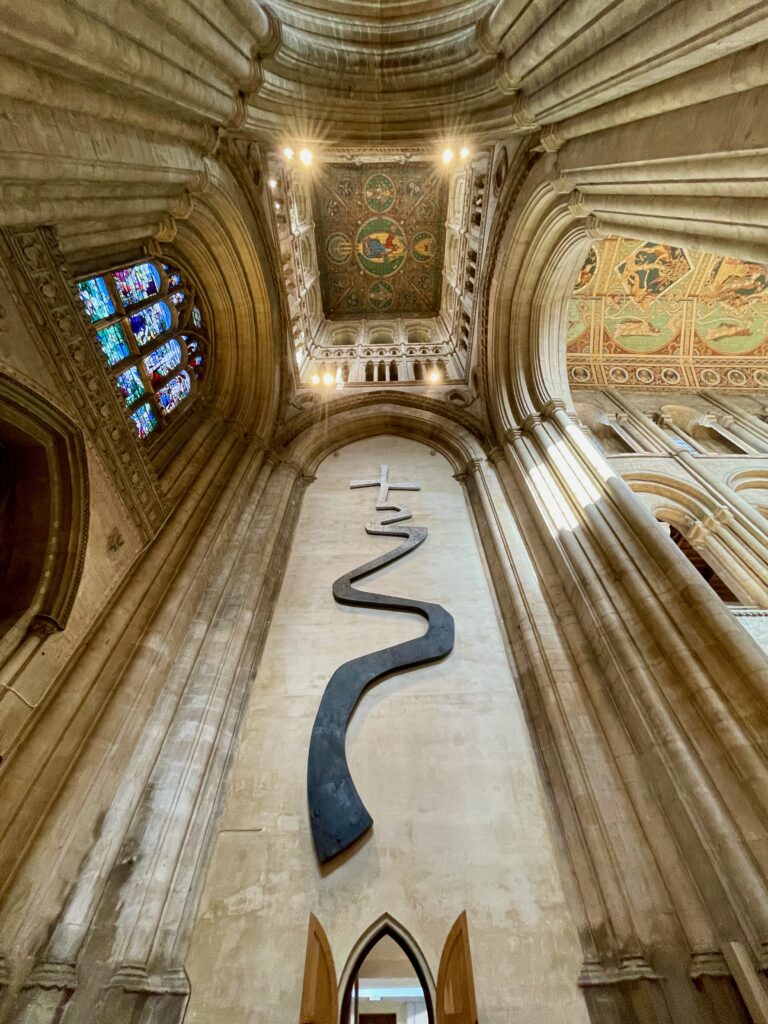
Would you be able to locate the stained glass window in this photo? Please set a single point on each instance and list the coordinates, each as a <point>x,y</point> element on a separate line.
<point>150,322</point>
<point>96,298</point>
<point>174,392</point>
<point>164,359</point>
<point>114,343</point>
<point>131,385</point>
<point>149,326</point>
<point>145,420</point>
<point>134,284</point>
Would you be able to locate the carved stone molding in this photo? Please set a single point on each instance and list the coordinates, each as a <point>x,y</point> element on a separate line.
<point>629,969</point>
<point>52,975</point>
<point>709,963</point>
<point>138,978</point>
<point>35,272</point>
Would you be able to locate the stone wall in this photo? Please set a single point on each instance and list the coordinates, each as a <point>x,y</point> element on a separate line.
<point>442,758</point>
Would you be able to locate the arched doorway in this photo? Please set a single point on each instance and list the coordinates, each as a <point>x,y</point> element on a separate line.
<point>386,985</point>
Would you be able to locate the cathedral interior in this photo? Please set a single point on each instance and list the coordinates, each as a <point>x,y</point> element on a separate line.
<point>383,512</point>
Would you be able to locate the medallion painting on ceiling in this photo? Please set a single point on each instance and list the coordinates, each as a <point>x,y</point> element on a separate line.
<point>380,238</point>
<point>647,314</point>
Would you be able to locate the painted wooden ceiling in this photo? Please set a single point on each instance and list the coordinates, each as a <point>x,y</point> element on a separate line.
<point>647,315</point>
<point>379,233</point>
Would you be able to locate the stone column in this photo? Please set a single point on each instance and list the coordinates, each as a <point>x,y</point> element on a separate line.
<point>170,808</point>
<point>621,896</point>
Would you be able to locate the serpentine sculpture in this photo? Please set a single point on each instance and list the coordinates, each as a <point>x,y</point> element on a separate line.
<point>338,816</point>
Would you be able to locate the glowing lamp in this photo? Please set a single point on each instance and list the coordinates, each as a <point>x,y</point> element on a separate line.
<point>447,156</point>
<point>288,153</point>
<point>306,157</point>
<point>328,378</point>
<point>314,380</point>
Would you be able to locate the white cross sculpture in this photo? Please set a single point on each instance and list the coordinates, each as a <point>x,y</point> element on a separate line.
<point>384,485</point>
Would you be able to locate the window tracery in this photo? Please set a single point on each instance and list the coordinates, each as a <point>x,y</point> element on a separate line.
<point>151,330</point>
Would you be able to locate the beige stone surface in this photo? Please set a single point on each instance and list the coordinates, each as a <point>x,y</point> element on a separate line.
<point>441,756</point>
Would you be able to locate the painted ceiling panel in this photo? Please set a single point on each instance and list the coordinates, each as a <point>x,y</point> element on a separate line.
<point>645,315</point>
<point>380,231</point>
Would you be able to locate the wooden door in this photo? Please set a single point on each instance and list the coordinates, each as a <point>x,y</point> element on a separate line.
<point>319,996</point>
<point>456,1002</point>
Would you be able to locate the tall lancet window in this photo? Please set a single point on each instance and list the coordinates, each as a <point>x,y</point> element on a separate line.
<point>151,329</point>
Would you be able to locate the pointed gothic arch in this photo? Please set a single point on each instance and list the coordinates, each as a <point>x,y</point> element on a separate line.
<point>46,473</point>
<point>386,926</point>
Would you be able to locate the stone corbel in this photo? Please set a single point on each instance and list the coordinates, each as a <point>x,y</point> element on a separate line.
<point>270,41</point>
<point>183,206</point>
<point>166,230</point>
<point>486,41</point>
<point>239,114</point>
<point>577,204</point>
<point>549,140</point>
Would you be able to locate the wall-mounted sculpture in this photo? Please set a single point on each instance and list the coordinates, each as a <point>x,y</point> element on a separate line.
<point>337,814</point>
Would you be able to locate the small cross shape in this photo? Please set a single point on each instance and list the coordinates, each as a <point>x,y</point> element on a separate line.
<point>384,485</point>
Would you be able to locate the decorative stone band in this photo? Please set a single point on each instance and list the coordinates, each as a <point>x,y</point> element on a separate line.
<point>52,975</point>
<point>137,978</point>
<point>630,968</point>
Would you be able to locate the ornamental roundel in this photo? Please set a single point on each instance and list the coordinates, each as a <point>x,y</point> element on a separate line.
<point>381,295</point>
<point>381,247</point>
<point>424,247</point>
<point>338,247</point>
<point>379,193</point>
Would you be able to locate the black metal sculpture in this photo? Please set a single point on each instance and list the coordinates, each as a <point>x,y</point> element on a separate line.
<point>337,814</point>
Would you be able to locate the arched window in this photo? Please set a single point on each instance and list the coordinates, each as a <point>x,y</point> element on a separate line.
<point>150,327</point>
<point>393,370</point>
<point>417,370</point>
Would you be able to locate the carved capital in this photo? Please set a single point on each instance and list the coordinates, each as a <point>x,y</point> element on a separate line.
<point>513,434</point>
<point>53,975</point>
<point>708,963</point>
<point>553,405</point>
<point>531,422</point>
